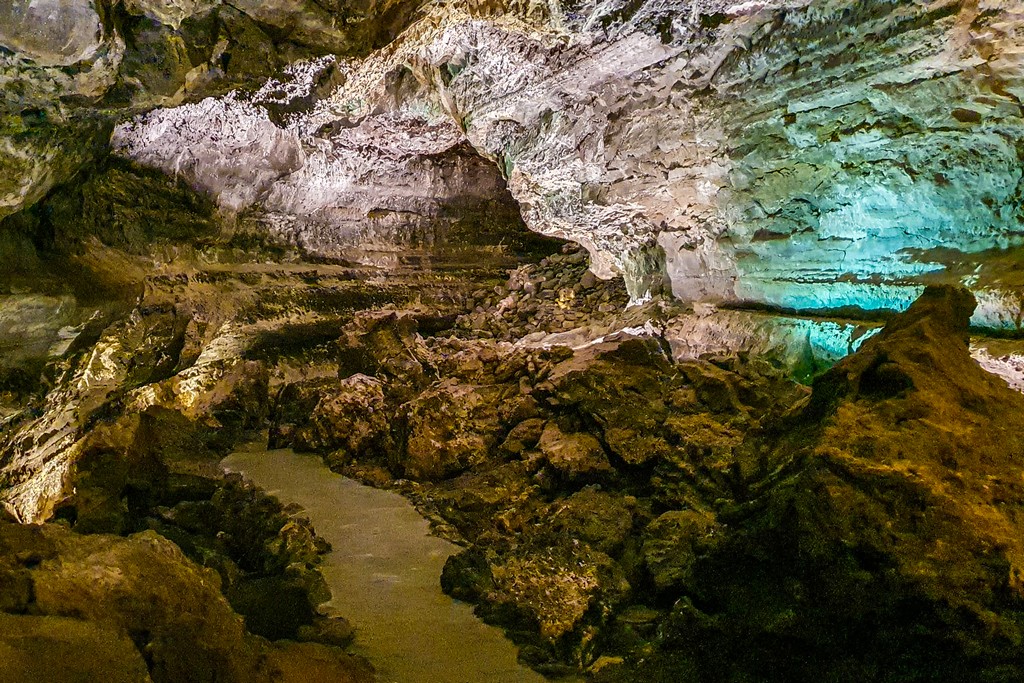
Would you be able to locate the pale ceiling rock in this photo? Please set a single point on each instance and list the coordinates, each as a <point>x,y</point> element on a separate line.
<point>71,69</point>
<point>226,147</point>
<point>807,155</point>
<point>169,12</point>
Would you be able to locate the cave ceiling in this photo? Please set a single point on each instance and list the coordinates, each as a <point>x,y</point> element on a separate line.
<point>816,156</point>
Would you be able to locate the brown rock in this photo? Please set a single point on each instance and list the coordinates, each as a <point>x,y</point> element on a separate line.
<point>602,520</point>
<point>43,648</point>
<point>314,663</point>
<point>96,598</point>
<point>523,436</point>
<point>350,420</point>
<point>448,429</point>
<point>576,457</point>
<point>383,344</point>
<point>671,545</point>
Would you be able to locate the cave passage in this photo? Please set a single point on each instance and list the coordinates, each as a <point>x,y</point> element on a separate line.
<point>383,573</point>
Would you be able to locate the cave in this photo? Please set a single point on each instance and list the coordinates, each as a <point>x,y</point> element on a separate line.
<point>511,341</point>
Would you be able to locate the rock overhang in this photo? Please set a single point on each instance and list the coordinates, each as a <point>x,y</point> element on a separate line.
<point>807,156</point>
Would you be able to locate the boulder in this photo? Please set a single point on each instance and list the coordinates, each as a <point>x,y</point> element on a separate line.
<point>384,344</point>
<point>604,521</point>
<point>671,545</point>
<point>576,458</point>
<point>293,406</point>
<point>105,601</point>
<point>447,429</point>
<point>44,648</point>
<point>621,385</point>
<point>523,436</point>
<point>554,599</point>
<point>350,420</point>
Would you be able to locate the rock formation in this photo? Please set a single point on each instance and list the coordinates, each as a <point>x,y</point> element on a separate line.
<point>754,152</point>
<point>709,519</point>
<point>550,269</point>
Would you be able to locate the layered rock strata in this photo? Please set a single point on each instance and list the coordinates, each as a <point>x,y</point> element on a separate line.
<point>809,156</point>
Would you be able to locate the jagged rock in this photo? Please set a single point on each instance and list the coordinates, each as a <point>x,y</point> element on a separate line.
<point>384,344</point>
<point>902,492</point>
<point>274,607</point>
<point>141,586</point>
<point>602,520</point>
<point>523,436</point>
<point>620,385</point>
<point>293,406</point>
<point>577,458</point>
<point>671,545</point>
<point>476,502</point>
<point>447,429</point>
<point>557,593</point>
<point>350,420</point>
<point>86,588</point>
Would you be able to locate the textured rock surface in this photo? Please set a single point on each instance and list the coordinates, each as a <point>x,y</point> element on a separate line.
<point>99,603</point>
<point>70,69</point>
<point>51,32</point>
<point>65,649</point>
<point>698,519</point>
<point>624,496</point>
<point>812,156</point>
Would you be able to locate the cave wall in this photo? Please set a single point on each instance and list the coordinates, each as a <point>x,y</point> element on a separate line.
<point>811,156</point>
<point>71,69</point>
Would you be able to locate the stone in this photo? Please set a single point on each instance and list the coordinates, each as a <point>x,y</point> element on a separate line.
<point>523,436</point>
<point>169,12</point>
<point>350,419</point>
<point>575,457</point>
<point>98,602</point>
<point>671,545</point>
<point>447,429</point>
<point>620,385</point>
<point>384,344</point>
<point>604,521</point>
<point>293,406</point>
<point>47,648</point>
<point>333,631</point>
<point>558,591</point>
<point>51,32</point>
<point>273,607</point>
<point>478,502</point>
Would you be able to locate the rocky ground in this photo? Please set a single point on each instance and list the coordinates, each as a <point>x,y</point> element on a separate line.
<point>151,338</point>
<point>631,506</point>
<point>641,518</point>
